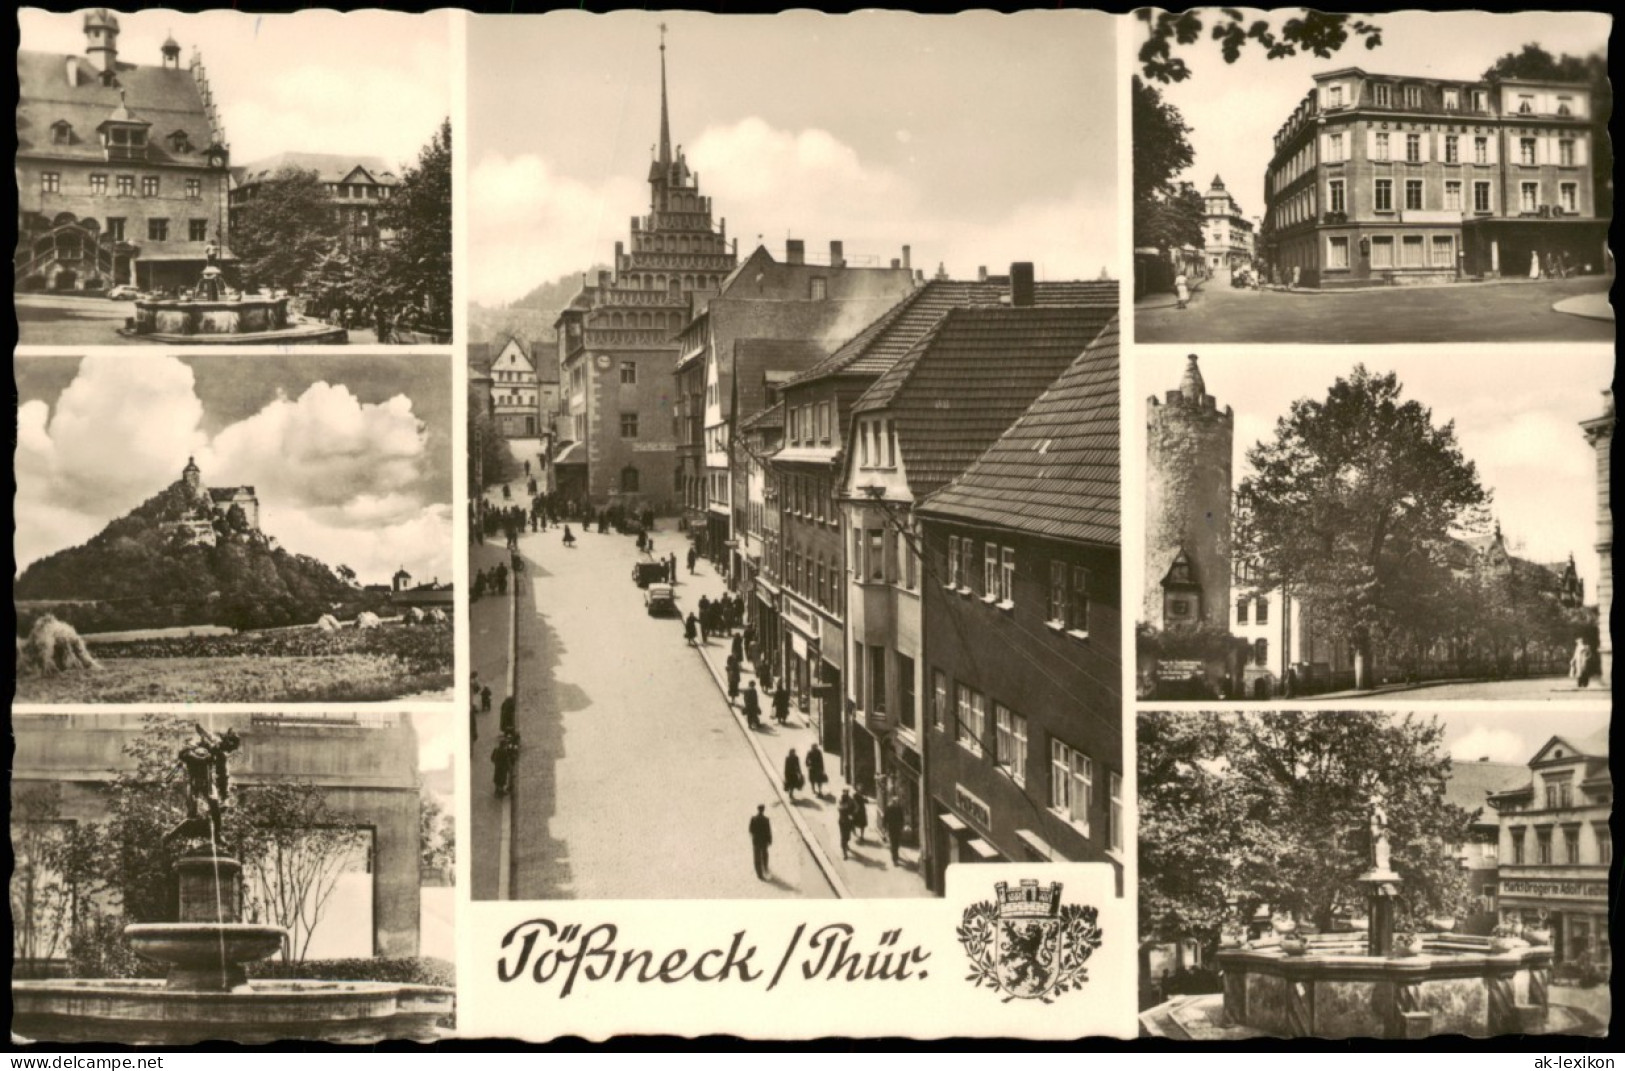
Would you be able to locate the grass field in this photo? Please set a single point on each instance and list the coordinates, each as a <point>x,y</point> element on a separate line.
<point>285,666</point>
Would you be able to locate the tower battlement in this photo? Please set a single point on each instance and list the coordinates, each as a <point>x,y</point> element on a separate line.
<point>1028,900</point>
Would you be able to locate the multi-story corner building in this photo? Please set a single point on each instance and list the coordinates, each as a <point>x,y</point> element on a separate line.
<point>818,408</point>
<point>919,426</point>
<point>1228,234</point>
<point>1470,786</point>
<point>1021,623</point>
<point>1599,432</point>
<point>122,168</point>
<point>358,186</point>
<point>1388,180</point>
<point>617,342</point>
<point>1556,849</point>
<point>770,321</point>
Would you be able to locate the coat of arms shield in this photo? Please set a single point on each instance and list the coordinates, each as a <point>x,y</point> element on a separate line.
<point>1027,944</point>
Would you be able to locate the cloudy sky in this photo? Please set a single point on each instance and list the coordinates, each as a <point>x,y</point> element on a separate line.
<point>977,140</point>
<point>1521,430</point>
<point>369,83</point>
<point>1236,109</point>
<point>350,456</point>
<point>1514,736</point>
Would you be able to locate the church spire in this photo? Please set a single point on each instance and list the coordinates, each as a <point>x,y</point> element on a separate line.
<point>665,120</point>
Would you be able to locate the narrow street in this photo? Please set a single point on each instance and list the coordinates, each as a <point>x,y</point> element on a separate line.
<point>636,777</point>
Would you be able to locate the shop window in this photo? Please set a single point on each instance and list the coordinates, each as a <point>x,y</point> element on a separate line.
<point>1337,254</point>
<point>1382,251</point>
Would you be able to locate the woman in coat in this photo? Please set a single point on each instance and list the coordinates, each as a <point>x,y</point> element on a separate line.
<point>860,815</point>
<point>691,629</point>
<point>792,773</point>
<point>753,706</point>
<point>816,778</point>
<point>781,704</point>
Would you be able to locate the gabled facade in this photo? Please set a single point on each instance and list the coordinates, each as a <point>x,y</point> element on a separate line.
<point>122,168</point>
<point>617,341</point>
<point>516,393</point>
<point>917,427</point>
<point>1556,849</point>
<point>358,187</point>
<point>1388,180</point>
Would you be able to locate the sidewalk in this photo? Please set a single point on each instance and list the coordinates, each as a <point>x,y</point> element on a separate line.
<point>869,873</point>
<point>490,641</point>
<point>1590,306</point>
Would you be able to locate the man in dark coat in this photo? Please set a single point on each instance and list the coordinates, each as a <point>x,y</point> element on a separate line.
<point>733,680</point>
<point>892,818</point>
<point>507,714</point>
<point>792,773</point>
<point>781,704</point>
<point>843,812</point>
<point>761,835</point>
<point>753,706</point>
<point>693,556</point>
<point>691,628</point>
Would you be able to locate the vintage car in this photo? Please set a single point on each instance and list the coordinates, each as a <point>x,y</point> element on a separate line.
<point>646,573</point>
<point>659,599</point>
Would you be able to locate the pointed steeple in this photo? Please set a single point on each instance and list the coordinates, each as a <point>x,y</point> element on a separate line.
<point>665,118</point>
<point>1191,384</point>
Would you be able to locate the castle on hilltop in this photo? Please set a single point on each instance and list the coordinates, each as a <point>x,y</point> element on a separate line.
<point>212,513</point>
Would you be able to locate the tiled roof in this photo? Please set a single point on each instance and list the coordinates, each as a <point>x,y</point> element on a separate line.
<point>329,167</point>
<point>878,346</point>
<point>1471,782</point>
<point>769,419</point>
<point>1054,472</point>
<point>165,97</point>
<point>963,384</point>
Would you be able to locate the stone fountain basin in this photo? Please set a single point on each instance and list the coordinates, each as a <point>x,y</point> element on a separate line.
<point>243,320</point>
<point>146,1011</point>
<point>208,947</point>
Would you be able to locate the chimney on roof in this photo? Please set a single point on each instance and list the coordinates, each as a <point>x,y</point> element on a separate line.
<point>795,252</point>
<point>919,276</point>
<point>906,263</point>
<point>101,39</point>
<point>620,250</point>
<point>896,263</point>
<point>837,255</point>
<point>981,273</point>
<point>603,280</point>
<point>1021,284</point>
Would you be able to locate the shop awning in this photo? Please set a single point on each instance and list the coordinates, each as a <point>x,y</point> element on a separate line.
<point>983,849</point>
<point>953,823</point>
<point>573,454</point>
<point>1040,846</point>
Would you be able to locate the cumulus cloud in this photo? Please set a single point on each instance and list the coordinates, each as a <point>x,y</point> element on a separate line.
<point>338,479</point>
<point>530,225</point>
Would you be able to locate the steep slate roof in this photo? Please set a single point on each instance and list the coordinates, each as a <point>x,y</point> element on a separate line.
<point>771,419</point>
<point>329,167</point>
<point>962,385</point>
<point>1054,472</point>
<point>879,345</point>
<point>163,96</point>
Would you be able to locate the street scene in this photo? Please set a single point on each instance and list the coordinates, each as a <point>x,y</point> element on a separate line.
<point>725,645</point>
<point>1365,874</point>
<point>1367,188</point>
<point>142,221</point>
<point>1442,532</point>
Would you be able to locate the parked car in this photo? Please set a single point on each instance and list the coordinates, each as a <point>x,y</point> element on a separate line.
<point>124,292</point>
<point>659,599</point>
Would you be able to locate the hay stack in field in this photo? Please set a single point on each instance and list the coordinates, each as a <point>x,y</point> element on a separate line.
<point>413,616</point>
<point>327,623</point>
<point>367,619</point>
<point>53,647</point>
<point>437,617</point>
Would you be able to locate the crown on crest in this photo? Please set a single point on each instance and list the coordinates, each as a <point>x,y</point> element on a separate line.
<point>1028,901</point>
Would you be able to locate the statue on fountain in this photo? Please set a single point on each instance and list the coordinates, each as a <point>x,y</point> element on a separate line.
<point>212,285</point>
<point>1380,854</point>
<point>205,763</point>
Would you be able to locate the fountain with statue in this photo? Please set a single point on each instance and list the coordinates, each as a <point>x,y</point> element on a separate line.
<point>213,313</point>
<point>1386,982</point>
<point>207,993</point>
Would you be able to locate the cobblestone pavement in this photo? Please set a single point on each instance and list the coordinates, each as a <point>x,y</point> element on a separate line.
<point>633,780</point>
<point>1510,311</point>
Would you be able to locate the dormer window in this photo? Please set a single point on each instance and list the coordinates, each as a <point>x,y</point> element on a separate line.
<point>179,143</point>
<point>1452,100</point>
<point>61,132</point>
<point>1380,94</point>
<point>1526,104</point>
<point>1565,105</point>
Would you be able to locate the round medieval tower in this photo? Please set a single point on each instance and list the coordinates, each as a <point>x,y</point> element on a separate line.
<point>1187,506</point>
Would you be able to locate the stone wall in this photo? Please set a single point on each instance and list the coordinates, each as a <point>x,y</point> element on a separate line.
<point>1187,494</point>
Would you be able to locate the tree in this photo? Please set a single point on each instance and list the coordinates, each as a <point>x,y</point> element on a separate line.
<point>417,260</point>
<point>1167,213</point>
<point>437,833</point>
<point>1318,33</point>
<point>54,879</point>
<point>1534,61</point>
<point>489,459</point>
<point>294,849</point>
<point>283,231</point>
<point>1243,812</point>
<point>345,573</point>
<point>1354,501</point>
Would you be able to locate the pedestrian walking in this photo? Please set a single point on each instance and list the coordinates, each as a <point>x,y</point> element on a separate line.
<point>705,637</point>
<point>792,773</point>
<point>761,837</point>
<point>499,769</point>
<point>781,704</point>
<point>473,721</point>
<point>485,699</point>
<point>507,714</point>
<point>1580,664</point>
<point>569,538</point>
<point>671,568</point>
<point>738,649</point>
<point>892,818</point>
<point>693,556</point>
<point>733,681</point>
<point>1182,290</point>
<point>816,778</point>
<point>753,706</point>
<point>691,628</point>
<point>844,821</point>
<point>860,816</point>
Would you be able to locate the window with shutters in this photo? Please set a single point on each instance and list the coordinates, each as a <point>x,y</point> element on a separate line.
<point>1481,150</point>
<point>1382,148</point>
<point>1452,149</point>
<point>1526,151</point>
<point>1413,148</point>
<point>1334,148</point>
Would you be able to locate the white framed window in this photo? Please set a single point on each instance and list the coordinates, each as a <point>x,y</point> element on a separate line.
<point>1481,197</point>
<point>1337,253</point>
<point>98,184</point>
<point>939,699</point>
<point>1334,148</point>
<point>1565,105</point>
<point>1452,149</point>
<point>149,185</point>
<point>1413,145</point>
<point>1382,251</point>
<point>194,189</point>
<point>1413,96</point>
<point>1007,575</point>
<point>1334,97</point>
<point>967,563</point>
<point>1381,94</point>
<point>1452,100</point>
<point>953,561</point>
<point>990,572</point>
<point>1444,251</point>
<point>1382,147</point>
<point>50,182</point>
<point>1077,610</point>
<point>1526,104</point>
<point>1565,152</point>
<point>629,373</point>
<point>1010,742</point>
<point>1114,782</point>
<point>1526,151</point>
<point>1481,150</point>
<point>1528,196</point>
<point>972,709</point>
<point>1383,194</point>
<point>1568,196</point>
<point>1410,250</point>
<point>875,545</point>
<point>1413,195</point>
<point>1336,196</point>
<point>1072,782</point>
<point>1452,196</point>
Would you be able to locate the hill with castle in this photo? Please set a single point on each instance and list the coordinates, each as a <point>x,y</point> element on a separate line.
<point>189,555</point>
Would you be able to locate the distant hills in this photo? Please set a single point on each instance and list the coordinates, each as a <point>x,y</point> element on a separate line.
<point>174,561</point>
<point>529,317</point>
